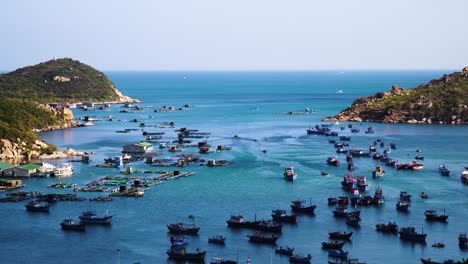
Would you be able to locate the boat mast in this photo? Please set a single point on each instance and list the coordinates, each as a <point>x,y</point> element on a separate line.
<point>118,256</point>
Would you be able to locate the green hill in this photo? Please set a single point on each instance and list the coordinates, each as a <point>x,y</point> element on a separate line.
<point>60,80</point>
<point>443,101</point>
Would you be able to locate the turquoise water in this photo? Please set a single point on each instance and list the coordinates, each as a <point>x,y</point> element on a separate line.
<point>224,104</point>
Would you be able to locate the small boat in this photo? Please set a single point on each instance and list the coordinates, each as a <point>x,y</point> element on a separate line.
<point>333,245</point>
<point>379,198</point>
<point>289,174</point>
<point>356,197</point>
<point>71,224</point>
<point>268,226</point>
<point>359,153</point>
<point>409,233</point>
<point>179,241</point>
<point>340,211</point>
<point>449,261</point>
<point>348,182</point>
<point>362,183</point>
<point>299,206</point>
<point>387,228</point>
<point>463,241</point>
<point>355,130</point>
<point>342,151</point>
<point>332,201</point>
<point>296,259</point>
<point>323,173</point>
<point>217,240</point>
<point>438,245</point>
<point>431,215</point>
<point>378,172</point>
<point>281,216</point>
<point>353,220</point>
<point>90,217</point>
<point>36,206</point>
<point>419,157</point>
<point>340,235</point>
<point>65,169</point>
<point>180,228</point>
<point>345,138</point>
<point>348,261</point>
<point>444,171</point>
<point>402,206</point>
<point>287,251</point>
<point>424,195</point>
<point>343,200</point>
<point>181,254</point>
<point>333,161</point>
<point>405,196</point>
<point>338,253</point>
<point>258,237</point>
<point>222,261</point>
<point>464,176</point>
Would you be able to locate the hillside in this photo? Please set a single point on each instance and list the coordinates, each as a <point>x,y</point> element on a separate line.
<point>60,80</point>
<point>442,101</point>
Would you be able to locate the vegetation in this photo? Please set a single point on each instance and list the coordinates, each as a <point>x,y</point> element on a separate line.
<point>58,80</point>
<point>18,117</point>
<point>444,100</point>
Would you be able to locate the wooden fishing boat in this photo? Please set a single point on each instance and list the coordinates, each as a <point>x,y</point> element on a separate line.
<point>182,254</point>
<point>299,206</point>
<point>180,228</point>
<point>340,235</point>
<point>281,216</point>
<point>409,233</point>
<point>387,228</point>
<point>433,216</point>
<point>220,240</point>
<point>71,224</point>
<point>36,206</point>
<point>258,237</point>
<point>287,251</point>
<point>333,245</point>
<point>297,259</point>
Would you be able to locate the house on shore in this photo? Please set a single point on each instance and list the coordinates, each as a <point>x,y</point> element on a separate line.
<point>25,170</point>
<point>4,166</point>
<point>139,148</point>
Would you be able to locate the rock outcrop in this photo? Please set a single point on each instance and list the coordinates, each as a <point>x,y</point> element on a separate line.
<point>441,101</point>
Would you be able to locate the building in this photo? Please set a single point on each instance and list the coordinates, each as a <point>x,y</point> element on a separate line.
<point>25,170</point>
<point>139,148</point>
<point>4,166</point>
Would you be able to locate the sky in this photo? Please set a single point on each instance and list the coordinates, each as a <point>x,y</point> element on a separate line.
<point>236,35</point>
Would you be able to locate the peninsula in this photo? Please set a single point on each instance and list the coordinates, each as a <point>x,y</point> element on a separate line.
<point>441,101</point>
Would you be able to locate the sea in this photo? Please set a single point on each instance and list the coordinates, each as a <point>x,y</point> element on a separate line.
<point>249,112</point>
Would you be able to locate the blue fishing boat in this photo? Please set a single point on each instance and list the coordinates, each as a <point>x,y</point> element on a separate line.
<point>378,172</point>
<point>179,241</point>
<point>338,253</point>
<point>71,224</point>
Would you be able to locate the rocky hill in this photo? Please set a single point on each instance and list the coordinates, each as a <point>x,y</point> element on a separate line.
<point>441,101</point>
<point>60,80</point>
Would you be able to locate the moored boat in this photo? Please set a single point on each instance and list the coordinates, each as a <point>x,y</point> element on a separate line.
<point>281,216</point>
<point>268,226</point>
<point>340,235</point>
<point>258,237</point>
<point>432,215</point>
<point>36,206</point>
<point>299,206</point>
<point>410,233</point>
<point>298,259</point>
<point>179,228</point>
<point>217,240</point>
<point>289,174</point>
<point>333,245</point>
<point>90,217</point>
<point>182,254</point>
<point>402,206</point>
<point>65,169</point>
<point>338,253</point>
<point>340,211</point>
<point>463,241</point>
<point>239,221</point>
<point>333,161</point>
<point>353,220</point>
<point>222,261</point>
<point>444,171</point>
<point>287,251</point>
<point>378,172</point>
<point>387,228</point>
<point>379,198</point>
<point>362,183</point>
<point>71,224</point>
<point>464,176</point>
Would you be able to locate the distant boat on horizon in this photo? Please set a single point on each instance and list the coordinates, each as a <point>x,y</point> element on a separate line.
<point>339,91</point>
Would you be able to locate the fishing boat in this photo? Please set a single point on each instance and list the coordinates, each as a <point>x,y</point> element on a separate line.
<point>258,237</point>
<point>387,228</point>
<point>299,206</point>
<point>362,183</point>
<point>367,200</point>
<point>345,138</point>
<point>268,226</point>
<point>405,196</point>
<point>433,216</point>
<point>71,224</point>
<point>287,251</point>
<point>348,261</point>
<point>402,206</point>
<point>359,153</point>
<point>424,195</point>
<point>332,201</point>
<point>463,241</point>
<point>289,174</point>
<point>340,211</point>
<point>180,228</point>
<point>333,161</point>
<point>419,157</point>
<point>333,245</point>
<point>378,172</point>
<point>342,151</point>
<point>353,220</point>
<point>444,171</point>
<point>343,200</point>
<point>340,235</point>
<point>464,176</point>
<point>438,245</point>
<point>65,169</point>
<point>90,217</point>
<point>323,173</point>
<point>36,206</point>
<point>410,233</point>
<point>281,216</point>
<point>297,259</point>
<point>179,241</point>
<point>222,261</point>
<point>348,182</point>
<point>182,254</point>
<point>430,261</point>
<point>379,198</point>
<point>217,240</point>
<point>356,197</point>
<point>338,253</point>
<point>239,221</point>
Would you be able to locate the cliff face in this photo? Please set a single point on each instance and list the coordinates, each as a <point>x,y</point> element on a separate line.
<point>442,101</point>
<point>60,80</point>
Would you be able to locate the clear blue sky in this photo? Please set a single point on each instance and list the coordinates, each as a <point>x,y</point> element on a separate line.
<point>237,34</point>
